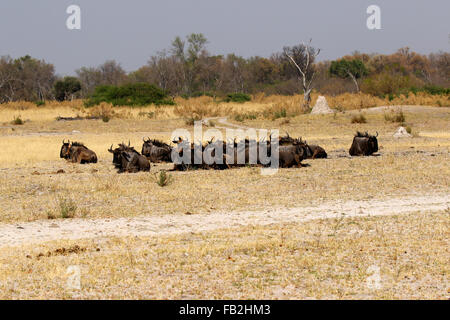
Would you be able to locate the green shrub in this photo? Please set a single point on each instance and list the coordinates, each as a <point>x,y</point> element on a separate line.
<point>197,94</point>
<point>163,179</point>
<point>238,97</point>
<point>280,114</point>
<point>18,121</point>
<point>135,94</point>
<point>40,103</point>
<point>436,90</point>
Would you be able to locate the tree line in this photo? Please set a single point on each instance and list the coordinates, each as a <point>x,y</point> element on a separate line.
<point>188,69</point>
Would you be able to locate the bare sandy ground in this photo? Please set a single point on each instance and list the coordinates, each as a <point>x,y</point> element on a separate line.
<point>71,229</point>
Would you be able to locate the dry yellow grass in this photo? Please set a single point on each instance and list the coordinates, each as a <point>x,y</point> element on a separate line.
<point>29,185</point>
<point>325,259</point>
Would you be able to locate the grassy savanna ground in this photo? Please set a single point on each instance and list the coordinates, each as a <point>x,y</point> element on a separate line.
<point>325,259</point>
<point>329,259</point>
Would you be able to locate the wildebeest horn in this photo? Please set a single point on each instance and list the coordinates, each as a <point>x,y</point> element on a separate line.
<point>287,134</point>
<point>129,142</point>
<point>377,133</point>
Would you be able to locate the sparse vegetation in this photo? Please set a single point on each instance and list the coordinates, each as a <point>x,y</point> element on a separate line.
<point>17,121</point>
<point>163,179</point>
<point>67,207</point>
<point>397,117</point>
<point>238,97</point>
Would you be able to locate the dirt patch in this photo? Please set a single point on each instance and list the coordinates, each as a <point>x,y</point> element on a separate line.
<point>42,231</point>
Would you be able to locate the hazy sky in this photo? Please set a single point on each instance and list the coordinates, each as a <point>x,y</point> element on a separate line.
<point>131,31</point>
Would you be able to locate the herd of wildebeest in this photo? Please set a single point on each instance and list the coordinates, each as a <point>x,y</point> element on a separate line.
<point>291,153</point>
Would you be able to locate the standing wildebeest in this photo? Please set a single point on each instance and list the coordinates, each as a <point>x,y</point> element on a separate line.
<point>364,144</point>
<point>156,151</point>
<point>77,152</point>
<point>127,159</point>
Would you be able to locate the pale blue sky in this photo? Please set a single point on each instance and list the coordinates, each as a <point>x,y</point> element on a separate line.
<point>130,31</point>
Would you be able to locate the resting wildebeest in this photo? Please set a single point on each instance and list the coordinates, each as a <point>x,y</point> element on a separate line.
<point>63,153</point>
<point>77,152</point>
<point>364,144</point>
<point>292,155</point>
<point>156,151</point>
<point>311,151</point>
<point>315,152</point>
<point>127,159</point>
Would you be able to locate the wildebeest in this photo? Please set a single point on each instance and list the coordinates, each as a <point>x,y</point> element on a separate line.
<point>315,152</point>
<point>64,148</point>
<point>312,151</point>
<point>364,144</point>
<point>77,152</point>
<point>127,159</point>
<point>156,151</point>
<point>292,155</point>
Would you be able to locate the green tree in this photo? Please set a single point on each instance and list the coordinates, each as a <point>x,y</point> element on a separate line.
<point>353,69</point>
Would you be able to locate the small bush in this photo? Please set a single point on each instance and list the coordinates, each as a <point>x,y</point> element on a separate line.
<point>408,129</point>
<point>238,97</point>
<point>397,117</point>
<point>67,208</point>
<point>18,121</point>
<point>240,117</point>
<point>360,118</point>
<point>40,103</point>
<point>150,115</point>
<point>280,114</point>
<point>163,179</point>
<point>191,120</point>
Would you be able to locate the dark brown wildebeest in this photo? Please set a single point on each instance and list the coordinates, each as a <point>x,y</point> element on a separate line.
<point>315,152</point>
<point>292,155</point>
<point>364,144</point>
<point>77,152</point>
<point>156,151</point>
<point>127,159</point>
<point>63,153</point>
<point>312,151</point>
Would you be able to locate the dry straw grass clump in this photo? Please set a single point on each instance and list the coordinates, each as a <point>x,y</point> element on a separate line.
<point>199,108</point>
<point>397,117</point>
<point>360,118</point>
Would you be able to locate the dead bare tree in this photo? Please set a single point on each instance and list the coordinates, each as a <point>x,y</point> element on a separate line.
<point>302,57</point>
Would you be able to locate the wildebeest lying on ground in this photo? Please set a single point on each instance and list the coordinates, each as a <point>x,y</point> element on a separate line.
<point>312,151</point>
<point>77,152</point>
<point>237,154</point>
<point>364,144</point>
<point>127,159</point>
<point>292,155</point>
<point>156,151</point>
